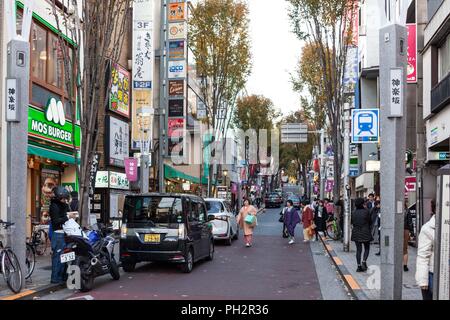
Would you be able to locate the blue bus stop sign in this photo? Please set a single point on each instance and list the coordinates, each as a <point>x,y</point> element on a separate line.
<point>365,125</point>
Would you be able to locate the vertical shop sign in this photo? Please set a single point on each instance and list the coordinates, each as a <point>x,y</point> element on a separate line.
<point>120,91</point>
<point>118,142</point>
<point>412,54</point>
<point>93,172</point>
<point>131,169</point>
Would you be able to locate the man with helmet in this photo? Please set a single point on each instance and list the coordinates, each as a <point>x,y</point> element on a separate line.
<point>59,213</point>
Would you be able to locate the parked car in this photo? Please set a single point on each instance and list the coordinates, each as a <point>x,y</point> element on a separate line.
<point>223,220</point>
<point>165,227</point>
<point>273,199</point>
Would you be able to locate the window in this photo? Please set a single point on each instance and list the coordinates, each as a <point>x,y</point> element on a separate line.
<point>444,59</point>
<point>214,206</point>
<point>38,51</point>
<point>194,214</point>
<point>202,212</point>
<point>153,210</point>
<point>47,67</point>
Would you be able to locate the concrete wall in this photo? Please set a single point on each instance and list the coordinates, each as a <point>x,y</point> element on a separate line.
<point>371,22</point>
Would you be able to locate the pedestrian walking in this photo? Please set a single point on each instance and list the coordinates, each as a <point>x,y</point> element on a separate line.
<point>371,201</point>
<point>320,219</point>
<point>291,219</point>
<point>59,213</point>
<point>361,235</point>
<point>247,210</point>
<point>425,256</point>
<point>408,228</point>
<point>307,221</point>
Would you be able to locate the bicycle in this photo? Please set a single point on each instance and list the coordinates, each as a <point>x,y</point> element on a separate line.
<point>39,239</point>
<point>9,264</point>
<point>333,229</point>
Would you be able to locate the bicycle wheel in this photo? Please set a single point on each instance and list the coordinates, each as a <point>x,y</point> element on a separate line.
<point>40,242</point>
<point>30,260</point>
<point>11,270</point>
<point>332,231</point>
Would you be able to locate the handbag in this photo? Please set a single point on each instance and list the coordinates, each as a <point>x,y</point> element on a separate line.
<point>250,219</point>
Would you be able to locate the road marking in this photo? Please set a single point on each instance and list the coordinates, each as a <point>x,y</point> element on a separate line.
<point>351,281</point>
<point>19,295</point>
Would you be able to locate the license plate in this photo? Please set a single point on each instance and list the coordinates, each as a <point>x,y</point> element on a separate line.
<point>152,238</point>
<point>67,257</point>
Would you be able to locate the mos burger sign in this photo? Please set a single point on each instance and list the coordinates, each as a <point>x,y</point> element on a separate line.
<point>52,125</point>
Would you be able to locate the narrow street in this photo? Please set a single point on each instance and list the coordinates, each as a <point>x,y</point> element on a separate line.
<point>270,270</point>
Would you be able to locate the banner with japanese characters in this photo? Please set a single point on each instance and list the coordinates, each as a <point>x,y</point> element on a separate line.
<point>118,141</point>
<point>412,54</point>
<point>143,50</point>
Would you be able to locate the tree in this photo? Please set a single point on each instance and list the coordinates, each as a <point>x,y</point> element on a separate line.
<point>98,30</point>
<point>295,157</point>
<point>255,112</point>
<point>326,26</point>
<point>218,37</point>
<point>308,80</point>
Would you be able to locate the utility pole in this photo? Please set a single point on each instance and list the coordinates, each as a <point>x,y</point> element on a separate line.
<point>163,149</point>
<point>347,109</point>
<point>393,62</point>
<point>16,115</point>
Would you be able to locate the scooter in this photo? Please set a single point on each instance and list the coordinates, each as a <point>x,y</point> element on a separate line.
<point>93,254</point>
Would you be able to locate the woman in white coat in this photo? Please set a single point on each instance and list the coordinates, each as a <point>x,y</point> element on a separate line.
<point>425,256</point>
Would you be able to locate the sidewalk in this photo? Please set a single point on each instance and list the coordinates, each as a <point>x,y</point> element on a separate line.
<point>39,281</point>
<point>365,285</point>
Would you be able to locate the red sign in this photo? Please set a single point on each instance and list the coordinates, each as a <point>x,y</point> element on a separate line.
<point>412,54</point>
<point>410,184</point>
<point>176,127</point>
<point>352,28</point>
<point>131,168</point>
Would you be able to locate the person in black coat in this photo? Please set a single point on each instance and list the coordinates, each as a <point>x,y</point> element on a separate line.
<point>361,233</point>
<point>320,219</point>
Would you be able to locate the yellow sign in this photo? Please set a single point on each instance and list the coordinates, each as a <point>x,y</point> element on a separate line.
<point>141,99</point>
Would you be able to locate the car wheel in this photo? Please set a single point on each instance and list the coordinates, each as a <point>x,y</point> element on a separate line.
<point>188,263</point>
<point>210,257</point>
<point>229,240</point>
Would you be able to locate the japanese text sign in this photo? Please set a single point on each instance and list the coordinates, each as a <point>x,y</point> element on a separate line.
<point>412,54</point>
<point>131,165</point>
<point>12,105</point>
<point>396,92</point>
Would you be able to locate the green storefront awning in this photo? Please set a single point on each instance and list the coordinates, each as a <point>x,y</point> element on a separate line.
<point>171,173</point>
<point>51,154</point>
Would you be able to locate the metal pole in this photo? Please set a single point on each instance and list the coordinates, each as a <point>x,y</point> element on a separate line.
<point>145,172</point>
<point>346,177</point>
<point>393,54</point>
<point>162,97</point>
<point>18,59</point>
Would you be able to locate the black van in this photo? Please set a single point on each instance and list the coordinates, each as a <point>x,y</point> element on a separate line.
<point>165,227</point>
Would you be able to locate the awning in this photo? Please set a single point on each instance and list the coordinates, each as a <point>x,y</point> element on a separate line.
<point>171,173</point>
<point>51,154</point>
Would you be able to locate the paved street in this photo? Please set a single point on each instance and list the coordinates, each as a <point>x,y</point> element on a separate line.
<point>271,269</point>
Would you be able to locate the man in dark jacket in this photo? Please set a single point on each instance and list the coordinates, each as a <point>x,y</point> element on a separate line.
<point>361,233</point>
<point>59,209</point>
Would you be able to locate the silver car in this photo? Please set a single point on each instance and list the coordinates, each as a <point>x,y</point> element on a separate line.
<point>224,224</point>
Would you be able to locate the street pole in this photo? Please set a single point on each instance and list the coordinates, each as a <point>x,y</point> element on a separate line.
<point>346,150</point>
<point>393,62</point>
<point>162,97</point>
<point>145,172</point>
<point>322,164</point>
<point>18,60</point>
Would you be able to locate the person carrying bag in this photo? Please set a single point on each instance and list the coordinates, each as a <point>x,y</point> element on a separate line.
<point>247,221</point>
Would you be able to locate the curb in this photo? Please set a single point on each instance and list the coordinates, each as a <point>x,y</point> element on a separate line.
<point>30,294</point>
<point>350,282</point>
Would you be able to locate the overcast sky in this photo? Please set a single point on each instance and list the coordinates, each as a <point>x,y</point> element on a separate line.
<point>275,51</point>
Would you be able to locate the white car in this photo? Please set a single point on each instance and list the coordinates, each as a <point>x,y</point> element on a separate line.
<point>224,224</point>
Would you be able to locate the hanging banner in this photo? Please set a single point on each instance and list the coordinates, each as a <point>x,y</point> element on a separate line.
<point>131,165</point>
<point>411,72</point>
<point>143,52</point>
<point>351,70</point>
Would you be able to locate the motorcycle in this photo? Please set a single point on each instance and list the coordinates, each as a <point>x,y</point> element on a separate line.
<point>93,254</point>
